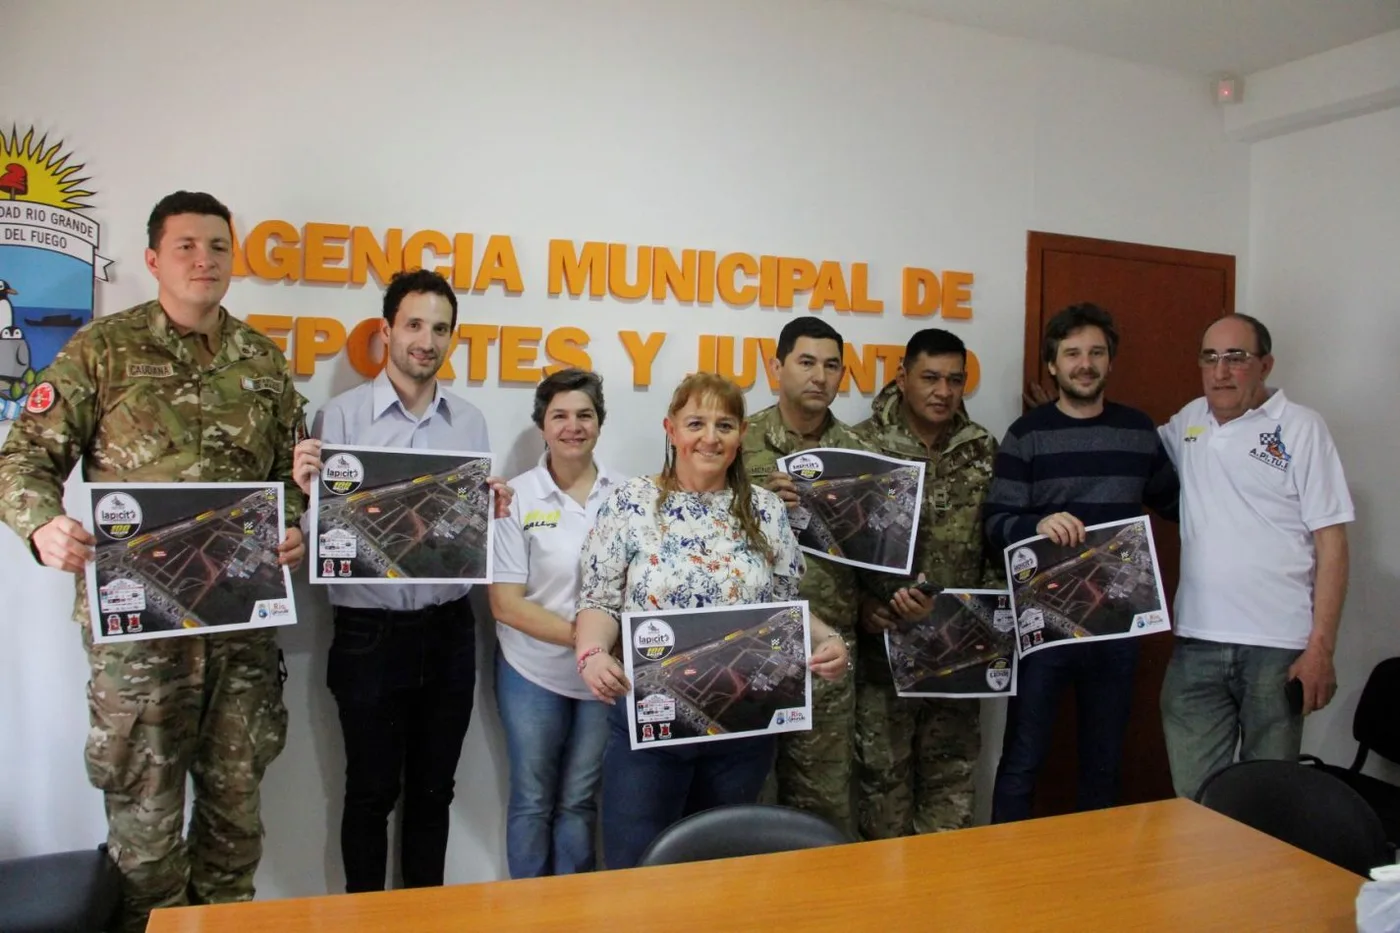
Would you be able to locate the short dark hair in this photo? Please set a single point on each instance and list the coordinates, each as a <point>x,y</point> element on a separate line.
<point>1074,318</point>
<point>183,202</point>
<point>412,282</point>
<point>807,326</point>
<point>568,380</point>
<point>1261,333</point>
<point>934,341</point>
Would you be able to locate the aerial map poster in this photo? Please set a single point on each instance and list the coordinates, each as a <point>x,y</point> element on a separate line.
<point>401,515</point>
<point>185,559</point>
<point>1107,587</point>
<point>702,675</point>
<point>966,647</point>
<point>856,508</point>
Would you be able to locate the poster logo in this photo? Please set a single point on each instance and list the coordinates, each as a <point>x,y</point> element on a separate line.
<point>118,515</point>
<point>1003,619</point>
<point>343,474</point>
<point>999,674</point>
<point>656,707</point>
<point>653,640</point>
<point>1023,564</point>
<point>1032,620</point>
<point>48,259</point>
<point>806,466</point>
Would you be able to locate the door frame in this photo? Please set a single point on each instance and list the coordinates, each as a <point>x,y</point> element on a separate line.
<point>1038,243</point>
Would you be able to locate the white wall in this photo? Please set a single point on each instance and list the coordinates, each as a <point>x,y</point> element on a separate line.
<point>1324,227</point>
<point>798,127</point>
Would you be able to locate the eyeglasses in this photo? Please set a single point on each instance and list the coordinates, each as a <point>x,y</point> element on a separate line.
<point>1235,359</point>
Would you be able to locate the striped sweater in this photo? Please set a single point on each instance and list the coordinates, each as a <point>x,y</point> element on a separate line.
<point>1099,469</point>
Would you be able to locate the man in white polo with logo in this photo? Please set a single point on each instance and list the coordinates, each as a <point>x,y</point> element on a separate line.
<point>1264,509</point>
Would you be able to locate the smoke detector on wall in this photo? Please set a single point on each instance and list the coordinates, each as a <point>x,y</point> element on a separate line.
<point>1229,89</point>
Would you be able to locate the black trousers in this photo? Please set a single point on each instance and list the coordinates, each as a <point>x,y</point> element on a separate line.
<point>403,683</point>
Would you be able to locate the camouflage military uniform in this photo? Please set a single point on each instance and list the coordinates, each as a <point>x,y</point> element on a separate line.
<point>138,402</point>
<point>915,757</point>
<point>813,769</point>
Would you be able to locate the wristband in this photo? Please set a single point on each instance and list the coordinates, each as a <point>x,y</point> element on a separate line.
<point>583,658</point>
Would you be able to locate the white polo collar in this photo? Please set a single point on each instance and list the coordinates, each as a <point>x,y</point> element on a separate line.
<point>1272,409</point>
<point>550,489</point>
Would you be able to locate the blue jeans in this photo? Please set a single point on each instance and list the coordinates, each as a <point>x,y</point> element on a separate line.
<point>1102,675</point>
<point>555,744</point>
<point>647,790</point>
<point>1216,696</point>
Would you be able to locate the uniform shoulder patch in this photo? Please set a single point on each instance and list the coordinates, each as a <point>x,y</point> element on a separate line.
<point>41,398</point>
<point>271,385</point>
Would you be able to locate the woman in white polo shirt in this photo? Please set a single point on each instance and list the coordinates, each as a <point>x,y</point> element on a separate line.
<point>555,729</point>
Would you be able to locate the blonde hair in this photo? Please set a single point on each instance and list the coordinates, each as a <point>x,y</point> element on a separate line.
<point>725,395</point>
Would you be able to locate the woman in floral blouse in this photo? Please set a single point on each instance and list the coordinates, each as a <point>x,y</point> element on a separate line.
<point>698,535</point>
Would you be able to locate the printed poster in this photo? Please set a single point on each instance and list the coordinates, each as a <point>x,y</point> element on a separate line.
<point>704,675</point>
<point>1108,587</point>
<point>965,648</point>
<point>856,508</point>
<point>185,559</point>
<point>400,515</point>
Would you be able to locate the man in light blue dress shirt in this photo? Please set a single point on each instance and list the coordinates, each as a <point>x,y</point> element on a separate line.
<point>402,663</point>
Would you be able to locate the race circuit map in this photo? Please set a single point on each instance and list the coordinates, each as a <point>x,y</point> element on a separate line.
<point>1108,587</point>
<point>401,515</point>
<point>185,559</point>
<point>966,647</point>
<point>856,508</point>
<point>703,675</point>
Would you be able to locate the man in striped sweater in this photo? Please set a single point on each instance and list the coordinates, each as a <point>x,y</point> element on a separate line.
<point>1077,461</point>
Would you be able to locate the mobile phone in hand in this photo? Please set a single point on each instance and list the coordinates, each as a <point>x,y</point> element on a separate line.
<point>1293,691</point>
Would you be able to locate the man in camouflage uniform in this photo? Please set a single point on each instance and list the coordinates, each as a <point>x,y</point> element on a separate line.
<point>813,769</point>
<point>915,757</point>
<point>173,390</point>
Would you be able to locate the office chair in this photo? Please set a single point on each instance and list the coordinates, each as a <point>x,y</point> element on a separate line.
<point>66,892</point>
<point>1376,727</point>
<point>1303,807</point>
<point>741,829</point>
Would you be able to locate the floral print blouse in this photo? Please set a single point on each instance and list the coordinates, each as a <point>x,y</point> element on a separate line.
<point>692,555</point>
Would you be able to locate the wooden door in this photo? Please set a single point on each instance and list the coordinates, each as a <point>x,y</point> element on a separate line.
<point>1162,300</point>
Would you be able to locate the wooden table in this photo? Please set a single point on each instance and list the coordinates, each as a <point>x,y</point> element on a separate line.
<point>1171,865</point>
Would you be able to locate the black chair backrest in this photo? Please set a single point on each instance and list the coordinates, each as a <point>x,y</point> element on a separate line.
<point>742,829</point>
<point>1302,806</point>
<point>1376,725</point>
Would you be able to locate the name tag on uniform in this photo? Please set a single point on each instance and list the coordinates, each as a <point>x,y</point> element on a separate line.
<point>149,370</point>
<point>269,384</point>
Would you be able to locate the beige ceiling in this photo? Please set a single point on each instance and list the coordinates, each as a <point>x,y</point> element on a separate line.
<point>1198,36</point>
